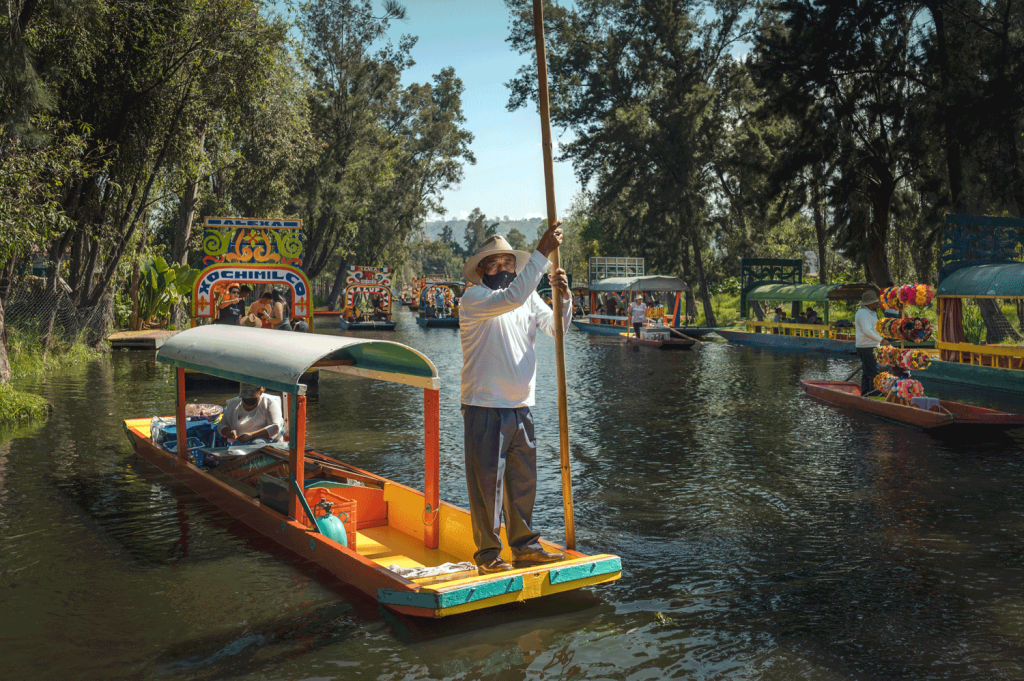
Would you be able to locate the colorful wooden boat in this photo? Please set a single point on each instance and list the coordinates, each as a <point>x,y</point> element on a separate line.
<point>393,524</point>
<point>428,316</point>
<point>363,285</point>
<point>979,262</point>
<point>811,342</point>
<point>950,416</point>
<point>625,287</point>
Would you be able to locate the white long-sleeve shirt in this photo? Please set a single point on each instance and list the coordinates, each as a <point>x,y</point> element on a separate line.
<point>499,329</point>
<point>266,414</point>
<point>865,321</point>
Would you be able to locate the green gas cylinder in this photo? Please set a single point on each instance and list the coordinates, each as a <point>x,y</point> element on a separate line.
<point>331,526</point>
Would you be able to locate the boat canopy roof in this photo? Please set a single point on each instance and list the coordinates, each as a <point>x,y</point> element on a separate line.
<point>649,283</point>
<point>1002,281</point>
<point>276,359</point>
<point>818,293</point>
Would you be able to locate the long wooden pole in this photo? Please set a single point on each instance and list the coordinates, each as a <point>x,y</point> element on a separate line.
<point>557,302</point>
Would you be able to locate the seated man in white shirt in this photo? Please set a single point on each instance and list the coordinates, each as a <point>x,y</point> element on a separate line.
<point>500,318</point>
<point>252,417</point>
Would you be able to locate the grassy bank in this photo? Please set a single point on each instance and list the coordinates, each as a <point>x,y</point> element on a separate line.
<point>18,408</point>
<point>28,359</point>
<point>25,351</point>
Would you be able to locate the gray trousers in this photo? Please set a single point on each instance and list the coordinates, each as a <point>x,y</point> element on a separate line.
<point>501,474</point>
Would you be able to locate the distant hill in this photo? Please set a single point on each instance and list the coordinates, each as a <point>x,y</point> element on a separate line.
<point>528,226</point>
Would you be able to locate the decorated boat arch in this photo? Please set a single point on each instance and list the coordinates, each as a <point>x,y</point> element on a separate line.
<point>251,251</point>
<point>363,286</point>
<point>430,315</point>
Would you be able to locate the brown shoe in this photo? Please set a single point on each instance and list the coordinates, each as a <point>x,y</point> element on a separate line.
<point>492,566</point>
<point>539,557</point>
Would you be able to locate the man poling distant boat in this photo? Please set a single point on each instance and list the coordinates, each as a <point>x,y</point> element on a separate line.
<point>867,340</point>
<point>500,318</point>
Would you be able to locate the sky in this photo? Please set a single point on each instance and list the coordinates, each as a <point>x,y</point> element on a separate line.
<point>508,178</point>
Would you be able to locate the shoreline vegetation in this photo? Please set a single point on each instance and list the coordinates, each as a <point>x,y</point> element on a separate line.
<point>29,359</point>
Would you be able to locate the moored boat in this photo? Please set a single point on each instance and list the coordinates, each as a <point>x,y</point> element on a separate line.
<point>973,269</point>
<point>762,284</point>
<point>387,523</point>
<point>946,415</point>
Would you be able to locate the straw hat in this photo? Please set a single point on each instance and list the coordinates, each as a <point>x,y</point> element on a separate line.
<point>496,245</point>
<point>869,298</point>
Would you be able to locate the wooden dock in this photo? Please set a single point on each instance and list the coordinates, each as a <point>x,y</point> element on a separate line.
<point>139,340</point>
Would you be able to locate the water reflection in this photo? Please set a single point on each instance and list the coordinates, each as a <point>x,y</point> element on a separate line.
<point>763,535</point>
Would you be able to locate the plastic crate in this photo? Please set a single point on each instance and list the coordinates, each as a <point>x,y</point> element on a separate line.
<point>341,505</point>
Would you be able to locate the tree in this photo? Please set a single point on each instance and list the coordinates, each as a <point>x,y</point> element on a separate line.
<point>516,239</point>
<point>844,74</point>
<point>33,173</point>
<point>478,231</point>
<point>636,81</point>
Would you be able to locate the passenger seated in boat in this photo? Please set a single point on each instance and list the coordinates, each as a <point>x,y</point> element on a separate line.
<point>252,417</point>
<point>259,311</point>
<point>812,316</point>
<point>780,316</point>
<point>379,314</point>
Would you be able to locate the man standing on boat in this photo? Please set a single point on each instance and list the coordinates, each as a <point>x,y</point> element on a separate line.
<point>499,319</point>
<point>637,313</point>
<point>867,340</point>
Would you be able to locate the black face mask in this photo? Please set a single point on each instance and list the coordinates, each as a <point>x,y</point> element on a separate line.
<point>498,280</point>
<point>250,401</point>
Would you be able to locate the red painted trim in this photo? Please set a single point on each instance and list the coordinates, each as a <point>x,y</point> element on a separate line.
<point>297,454</point>
<point>432,476</point>
<point>179,421</point>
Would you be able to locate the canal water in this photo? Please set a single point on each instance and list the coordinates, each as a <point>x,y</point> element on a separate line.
<point>762,535</point>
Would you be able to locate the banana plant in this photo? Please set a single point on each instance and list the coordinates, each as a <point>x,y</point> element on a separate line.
<point>162,286</point>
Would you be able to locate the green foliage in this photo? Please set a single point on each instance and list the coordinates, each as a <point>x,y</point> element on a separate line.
<point>19,408</point>
<point>516,239</point>
<point>974,324</point>
<point>162,286</point>
<point>478,231</point>
<point>29,358</point>
<point>729,286</point>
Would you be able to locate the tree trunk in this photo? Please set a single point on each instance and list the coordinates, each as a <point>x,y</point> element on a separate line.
<point>876,257</point>
<point>339,285</point>
<point>709,312</point>
<point>954,162</point>
<point>691,301</point>
<point>5,364</point>
<point>7,278</point>
<point>758,310</point>
<point>997,326</point>
<point>135,324</point>
<point>820,231</point>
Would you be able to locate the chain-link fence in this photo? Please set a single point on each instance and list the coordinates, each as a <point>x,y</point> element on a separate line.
<point>38,306</point>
